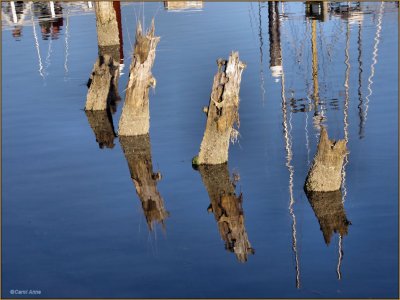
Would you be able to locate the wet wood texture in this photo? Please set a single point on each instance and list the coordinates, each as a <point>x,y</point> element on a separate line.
<point>222,112</point>
<point>135,117</point>
<point>103,83</point>
<point>325,174</point>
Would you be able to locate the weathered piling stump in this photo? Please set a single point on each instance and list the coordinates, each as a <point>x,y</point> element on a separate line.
<point>325,174</point>
<point>329,210</point>
<point>135,117</point>
<point>137,150</point>
<point>102,126</point>
<point>222,112</point>
<point>227,209</point>
<point>106,24</point>
<point>103,82</point>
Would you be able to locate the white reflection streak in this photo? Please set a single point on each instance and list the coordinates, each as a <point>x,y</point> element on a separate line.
<point>374,57</point>
<point>14,12</point>
<point>66,46</point>
<point>346,137</point>
<point>37,46</point>
<point>47,60</point>
<point>289,155</point>
<point>6,18</point>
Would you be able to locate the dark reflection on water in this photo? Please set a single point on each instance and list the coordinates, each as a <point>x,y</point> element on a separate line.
<point>137,151</point>
<point>102,125</point>
<point>227,209</point>
<point>49,27</point>
<point>329,210</point>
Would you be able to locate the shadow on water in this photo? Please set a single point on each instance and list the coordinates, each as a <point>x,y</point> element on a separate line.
<point>137,150</point>
<point>227,209</point>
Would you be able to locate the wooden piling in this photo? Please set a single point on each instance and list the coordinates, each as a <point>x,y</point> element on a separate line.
<point>135,117</point>
<point>103,82</point>
<point>222,112</point>
<point>325,174</point>
<point>137,150</point>
<point>227,209</point>
<point>106,23</point>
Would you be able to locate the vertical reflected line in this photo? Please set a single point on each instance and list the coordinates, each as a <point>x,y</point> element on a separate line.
<point>66,45</point>
<point>315,62</point>
<point>338,271</point>
<point>360,98</point>
<point>346,108</point>
<point>289,155</point>
<point>14,12</point>
<point>374,58</point>
<point>261,52</point>
<point>318,117</point>
<point>307,140</point>
<point>37,46</point>
<point>346,137</point>
<point>47,60</point>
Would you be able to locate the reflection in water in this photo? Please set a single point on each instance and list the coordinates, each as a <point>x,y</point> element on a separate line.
<point>374,57</point>
<point>361,113</point>
<point>289,155</point>
<point>14,13</point>
<point>274,40</point>
<point>180,5</point>
<point>317,10</point>
<point>329,210</point>
<point>137,150</point>
<point>66,46</point>
<point>102,126</point>
<point>260,35</point>
<point>227,209</point>
<point>37,47</point>
<point>318,118</point>
<point>50,23</point>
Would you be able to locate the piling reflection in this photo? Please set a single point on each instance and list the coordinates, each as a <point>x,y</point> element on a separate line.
<point>329,210</point>
<point>137,151</point>
<point>227,209</point>
<point>102,125</point>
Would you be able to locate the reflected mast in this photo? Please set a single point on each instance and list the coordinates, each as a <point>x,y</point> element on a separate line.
<point>289,155</point>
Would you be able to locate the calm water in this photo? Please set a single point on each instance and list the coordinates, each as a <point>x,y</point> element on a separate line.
<point>72,222</point>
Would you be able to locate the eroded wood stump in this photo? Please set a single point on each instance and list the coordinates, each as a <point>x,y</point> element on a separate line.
<point>137,150</point>
<point>103,82</point>
<point>222,112</point>
<point>329,210</point>
<point>325,174</point>
<point>135,117</point>
<point>102,126</point>
<point>227,209</point>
